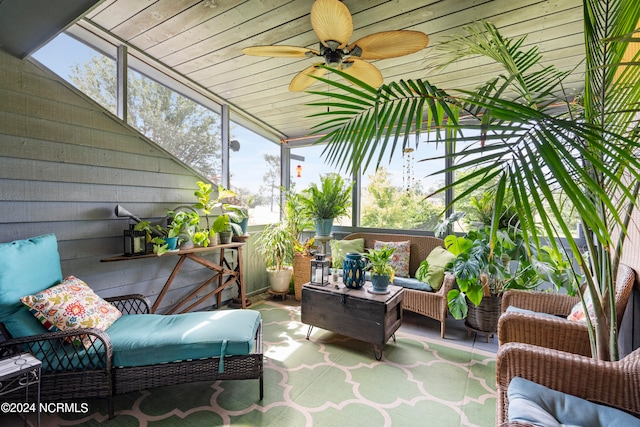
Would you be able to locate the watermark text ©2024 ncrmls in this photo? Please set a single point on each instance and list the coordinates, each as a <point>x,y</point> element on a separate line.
<point>45,407</point>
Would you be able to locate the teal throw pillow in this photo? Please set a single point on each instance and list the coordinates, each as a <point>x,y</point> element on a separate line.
<point>339,248</point>
<point>437,259</point>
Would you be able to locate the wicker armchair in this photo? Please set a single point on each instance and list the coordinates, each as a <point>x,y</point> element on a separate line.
<point>615,384</point>
<point>430,304</point>
<point>555,332</point>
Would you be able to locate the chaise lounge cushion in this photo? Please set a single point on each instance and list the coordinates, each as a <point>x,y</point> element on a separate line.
<point>536,404</point>
<point>148,339</point>
<point>26,267</point>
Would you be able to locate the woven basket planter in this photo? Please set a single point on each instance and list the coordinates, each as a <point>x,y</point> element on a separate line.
<point>301,273</point>
<point>485,317</point>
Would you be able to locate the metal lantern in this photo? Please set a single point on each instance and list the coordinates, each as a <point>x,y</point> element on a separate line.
<point>320,270</point>
<point>135,242</point>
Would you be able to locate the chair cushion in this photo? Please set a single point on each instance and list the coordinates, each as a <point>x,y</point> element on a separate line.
<point>71,305</point>
<point>26,267</point>
<point>577,312</point>
<point>401,255</point>
<point>514,309</point>
<point>409,283</point>
<point>533,403</point>
<point>149,339</point>
<point>437,259</point>
<point>339,248</point>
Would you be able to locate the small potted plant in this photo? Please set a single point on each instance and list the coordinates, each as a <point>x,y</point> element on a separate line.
<point>166,238</point>
<point>325,203</point>
<point>188,224</point>
<point>381,271</point>
<point>227,222</point>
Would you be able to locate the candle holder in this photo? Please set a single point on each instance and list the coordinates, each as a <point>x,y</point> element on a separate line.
<point>135,242</point>
<point>320,271</point>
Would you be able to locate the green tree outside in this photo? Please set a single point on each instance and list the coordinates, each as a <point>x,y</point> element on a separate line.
<point>387,206</point>
<point>181,126</point>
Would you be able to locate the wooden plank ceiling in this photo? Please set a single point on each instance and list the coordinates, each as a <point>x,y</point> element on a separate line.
<point>203,40</point>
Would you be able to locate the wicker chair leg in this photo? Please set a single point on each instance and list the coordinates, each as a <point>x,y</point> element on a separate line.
<point>442,329</point>
<point>110,407</point>
<point>261,387</point>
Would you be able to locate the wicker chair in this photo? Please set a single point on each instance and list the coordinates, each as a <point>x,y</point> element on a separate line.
<point>555,332</point>
<point>430,304</point>
<point>615,384</point>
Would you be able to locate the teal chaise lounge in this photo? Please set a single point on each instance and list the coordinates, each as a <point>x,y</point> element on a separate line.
<point>137,351</point>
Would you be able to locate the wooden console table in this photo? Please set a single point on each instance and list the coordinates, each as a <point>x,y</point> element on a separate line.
<point>234,275</point>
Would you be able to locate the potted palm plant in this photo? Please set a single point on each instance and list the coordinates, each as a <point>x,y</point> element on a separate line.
<point>275,245</point>
<point>331,200</point>
<point>582,155</point>
<point>381,271</point>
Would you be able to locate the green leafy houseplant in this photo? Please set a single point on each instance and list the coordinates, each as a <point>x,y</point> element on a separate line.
<point>381,271</point>
<point>275,245</point>
<point>181,224</point>
<point>229,215</point>
<point>332,199</point>
<point>582,154</point>
<point>295,214</point>
<point>378,261</point>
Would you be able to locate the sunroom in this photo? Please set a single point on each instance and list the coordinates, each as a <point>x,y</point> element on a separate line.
<point>132,103</point>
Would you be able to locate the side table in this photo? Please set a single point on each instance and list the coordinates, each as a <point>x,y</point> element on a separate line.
<point>18,372</point>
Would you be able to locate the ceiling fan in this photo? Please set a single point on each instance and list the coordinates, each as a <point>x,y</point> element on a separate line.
<point>332,23</point>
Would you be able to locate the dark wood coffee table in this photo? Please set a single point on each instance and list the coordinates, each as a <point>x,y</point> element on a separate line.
<point>355,313</point>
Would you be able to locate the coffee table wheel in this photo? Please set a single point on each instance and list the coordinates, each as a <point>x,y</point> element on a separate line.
<point>377,351</point>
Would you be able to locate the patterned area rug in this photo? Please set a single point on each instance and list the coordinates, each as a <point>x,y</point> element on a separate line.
<point>328,380</point>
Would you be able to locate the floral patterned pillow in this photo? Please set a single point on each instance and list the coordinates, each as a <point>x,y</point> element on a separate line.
<point>577,312</point>
<point>400,259</point>
<point>71,305</point>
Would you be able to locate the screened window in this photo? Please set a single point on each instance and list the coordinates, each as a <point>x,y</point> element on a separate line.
<point>87,69</point>
<point>307,165</point>
<point>180,125</point>
<point>254,167</point>
<point>394,196</point>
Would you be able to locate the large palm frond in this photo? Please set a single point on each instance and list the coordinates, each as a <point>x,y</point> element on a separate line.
<point>584,152</point>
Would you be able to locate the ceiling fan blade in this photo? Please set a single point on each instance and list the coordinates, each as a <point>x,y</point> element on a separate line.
<point>389,44</point>
<point>303,79</point>
<point>280,51</point>
<point>331,20</point>
<point>364,71</point>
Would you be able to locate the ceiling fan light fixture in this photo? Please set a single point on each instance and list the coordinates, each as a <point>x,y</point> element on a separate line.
<point>332,55</point>
<point>333,25</point>
<point>355,51</point>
